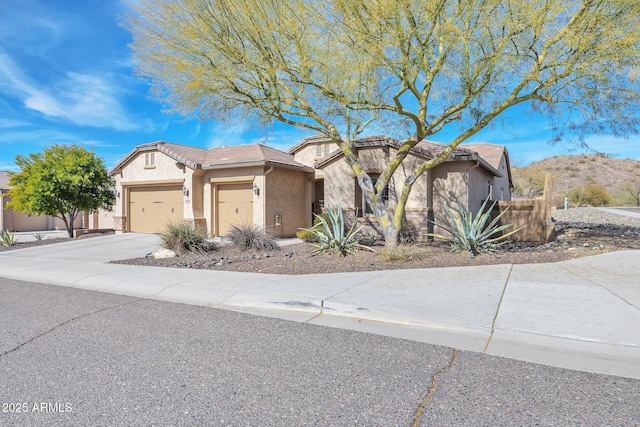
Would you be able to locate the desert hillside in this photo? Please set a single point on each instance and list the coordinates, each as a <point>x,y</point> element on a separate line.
<point>620,178</point>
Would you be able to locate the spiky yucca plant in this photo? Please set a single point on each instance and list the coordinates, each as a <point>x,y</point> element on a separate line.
<point>475,235</point>
<point>330,235</point>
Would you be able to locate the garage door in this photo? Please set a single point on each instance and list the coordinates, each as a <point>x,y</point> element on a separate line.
<point>151,208</point>
<point>235,206</point>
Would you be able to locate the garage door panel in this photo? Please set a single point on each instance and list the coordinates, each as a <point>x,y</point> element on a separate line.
<point>235,206</point>
<point>151,208</point>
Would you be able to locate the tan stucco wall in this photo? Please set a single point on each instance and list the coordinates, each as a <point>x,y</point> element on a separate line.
<point>501,186</point>
<point>307,156</point>
<point>479,181</point>
<point>287,196</point>
<point>18,221</point>
<point>101,220</point>
<point>134,173</point>
<point>340,186</point>
<point>449,185</point>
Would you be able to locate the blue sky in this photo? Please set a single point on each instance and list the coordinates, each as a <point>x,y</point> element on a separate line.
<point>66,77</point>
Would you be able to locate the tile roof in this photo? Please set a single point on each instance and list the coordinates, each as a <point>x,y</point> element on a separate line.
<point>239,155</point>
<point>492,153</point>
<point>314,139</point>
<point>191,156</point>
<point>427,149</point>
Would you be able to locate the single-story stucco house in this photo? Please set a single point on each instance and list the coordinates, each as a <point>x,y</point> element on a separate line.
<point>253,184</point>
<point>471,173</point>
<point>258,185</point>
<point>18,221</point>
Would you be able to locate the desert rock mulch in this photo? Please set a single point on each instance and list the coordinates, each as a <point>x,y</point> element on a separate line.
<point>580,232</point>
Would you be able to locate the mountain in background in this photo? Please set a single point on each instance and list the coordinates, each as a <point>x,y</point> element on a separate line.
<point>578,176</point>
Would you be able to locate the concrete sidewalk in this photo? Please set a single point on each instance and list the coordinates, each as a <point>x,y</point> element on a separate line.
<point>581,314</point>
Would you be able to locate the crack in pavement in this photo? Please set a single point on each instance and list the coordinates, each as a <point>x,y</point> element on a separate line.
<point>495,317</point>
<point>30,340</point>
<point>602,286</point>
<point>432,390</point>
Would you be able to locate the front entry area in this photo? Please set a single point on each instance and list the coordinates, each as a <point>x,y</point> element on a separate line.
<point>234,206</point>
<point>151,208</point>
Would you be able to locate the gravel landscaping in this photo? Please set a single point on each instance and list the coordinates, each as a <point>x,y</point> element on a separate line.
<point>580,232</point>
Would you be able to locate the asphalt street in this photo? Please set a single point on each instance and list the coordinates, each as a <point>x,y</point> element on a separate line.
<point>77,357</point>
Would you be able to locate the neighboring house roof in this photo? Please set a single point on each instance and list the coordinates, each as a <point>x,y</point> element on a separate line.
<point>426,149</point>
<point>219,157</point>
<point>249,155</point>
<point>4,181</point>
<point>492,153</point>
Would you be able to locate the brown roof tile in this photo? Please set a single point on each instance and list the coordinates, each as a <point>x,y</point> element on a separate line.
<point>248,154</point>
<point>314,139</point>
<point>427,149</point>
<point>191,156</point>
<point>492,153</point>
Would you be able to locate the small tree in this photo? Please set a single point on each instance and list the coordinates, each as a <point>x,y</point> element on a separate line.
<point>633,188</point>
<point>590,194</point>
<point>529,181</point>
<point>62,181</point>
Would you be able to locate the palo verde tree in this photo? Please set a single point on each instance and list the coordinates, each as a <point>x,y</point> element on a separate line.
<point>336,66</point>
<point>62,181</point>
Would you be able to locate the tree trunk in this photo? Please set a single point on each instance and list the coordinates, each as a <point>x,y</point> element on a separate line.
<point>68,223</point>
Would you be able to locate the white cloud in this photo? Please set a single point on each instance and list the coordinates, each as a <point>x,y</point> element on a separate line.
<point>78,98</point>
<point>12,123</point>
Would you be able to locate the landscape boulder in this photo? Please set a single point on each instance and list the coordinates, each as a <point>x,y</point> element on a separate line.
<point>164,253</point>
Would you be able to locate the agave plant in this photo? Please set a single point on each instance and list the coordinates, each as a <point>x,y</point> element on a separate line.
<point>7,238</point>
<point>329,233</point>
<point>475,235</point>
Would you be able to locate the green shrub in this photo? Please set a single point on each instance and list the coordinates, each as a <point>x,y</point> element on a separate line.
<point>8,239</point>
<point>39,236</point>
<point>331,236</point>
<point>306,235</point>
<point>590,194</point>
<point>183,238</point>
<point>474,235</point>
<point>245,237</point>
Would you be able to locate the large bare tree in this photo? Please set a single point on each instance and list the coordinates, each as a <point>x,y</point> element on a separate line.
<point>335,66</point>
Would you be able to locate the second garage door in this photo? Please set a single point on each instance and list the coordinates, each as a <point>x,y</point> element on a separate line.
<point>151,208</point>
<point>235,206</point>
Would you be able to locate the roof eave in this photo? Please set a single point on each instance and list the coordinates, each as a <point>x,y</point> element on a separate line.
<point>257,163</point>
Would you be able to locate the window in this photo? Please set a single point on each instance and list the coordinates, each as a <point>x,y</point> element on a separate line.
<point>361,199</point>
<point>150,160</point>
